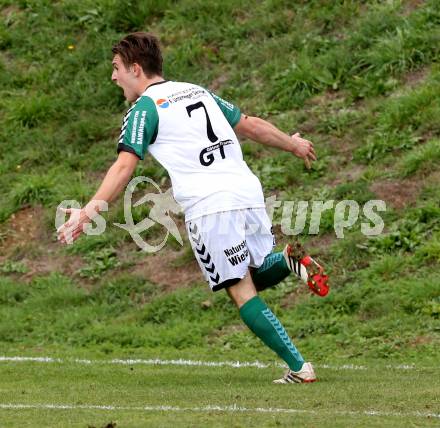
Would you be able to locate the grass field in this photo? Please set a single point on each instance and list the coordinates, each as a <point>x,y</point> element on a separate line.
<point>140,395</point>
<point>359,79</point>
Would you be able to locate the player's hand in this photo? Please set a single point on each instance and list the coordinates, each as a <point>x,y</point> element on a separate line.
<point>72,229</point>
<point>303,149</point>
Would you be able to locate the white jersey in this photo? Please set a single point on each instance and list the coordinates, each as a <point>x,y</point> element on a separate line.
<point>188,130</point>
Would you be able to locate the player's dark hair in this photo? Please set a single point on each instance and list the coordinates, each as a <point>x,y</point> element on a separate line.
<point>141,48</point>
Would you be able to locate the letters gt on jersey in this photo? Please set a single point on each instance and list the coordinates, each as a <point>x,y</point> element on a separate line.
<point>189,131</point>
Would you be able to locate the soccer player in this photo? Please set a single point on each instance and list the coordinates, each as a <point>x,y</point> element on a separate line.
<point>192,133</point>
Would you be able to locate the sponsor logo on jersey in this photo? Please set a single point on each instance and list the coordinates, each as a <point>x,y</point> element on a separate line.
<point>134,128</point>
<point>163,103</point>
<point>206,156</point>
<point>187,94</point>
<point>140,136</point>
<point>227,104</point>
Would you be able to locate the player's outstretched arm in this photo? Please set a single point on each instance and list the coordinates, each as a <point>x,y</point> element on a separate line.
<point>114,182</point>
<point>263,132</point>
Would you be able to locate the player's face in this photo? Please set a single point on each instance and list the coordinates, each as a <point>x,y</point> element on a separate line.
<point>125,78</point>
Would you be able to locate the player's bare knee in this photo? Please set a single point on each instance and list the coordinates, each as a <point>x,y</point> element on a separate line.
<point>242,291</point>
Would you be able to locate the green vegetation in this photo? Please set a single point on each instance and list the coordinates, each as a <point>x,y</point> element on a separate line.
<point>359,79</point>
<point>138,392</point>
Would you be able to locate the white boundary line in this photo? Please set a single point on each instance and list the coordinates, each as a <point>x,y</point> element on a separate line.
<point>182,362</point>
<point>213,408</point>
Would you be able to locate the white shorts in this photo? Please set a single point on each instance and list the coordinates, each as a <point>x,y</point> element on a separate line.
<point>227,243</point>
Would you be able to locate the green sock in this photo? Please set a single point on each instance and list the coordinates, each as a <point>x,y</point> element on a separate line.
<point>273,270</point>
<point>260,319</point>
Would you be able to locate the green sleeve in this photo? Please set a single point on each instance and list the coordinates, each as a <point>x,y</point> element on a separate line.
<point>230,111</point>
<point>139,128</point>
